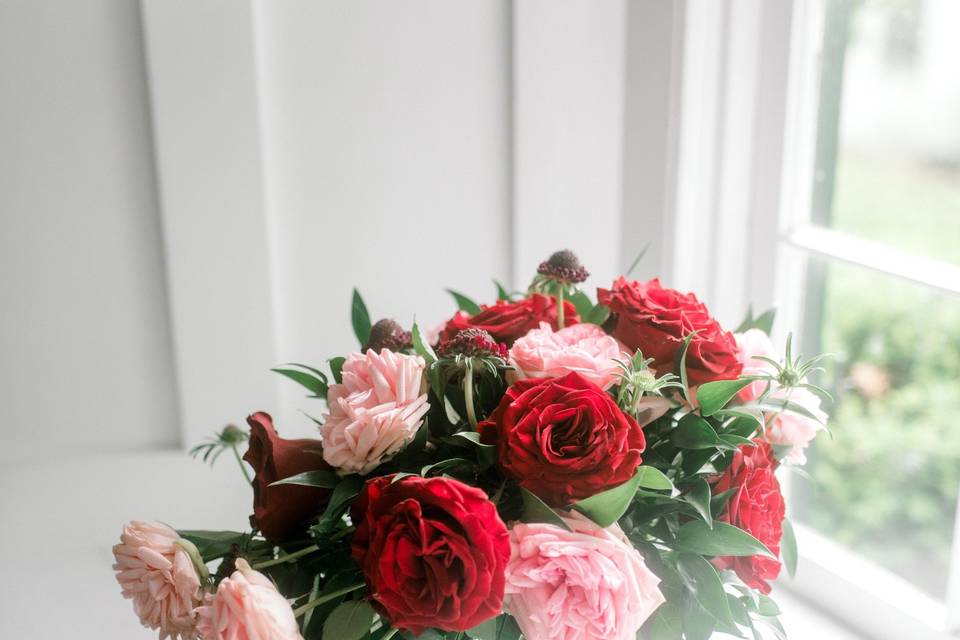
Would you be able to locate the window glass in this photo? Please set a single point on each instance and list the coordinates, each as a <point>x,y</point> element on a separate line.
<point>886,484</point>
<point>888,152</point>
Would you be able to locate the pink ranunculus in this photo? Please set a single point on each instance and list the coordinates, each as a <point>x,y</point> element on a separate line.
<point>375,412</point>
<point>792,429</point>
<point>584,348</point>
<point>752,343</point>
<point>585,584</point>
<point>247,606</point>
<point>157,573</point>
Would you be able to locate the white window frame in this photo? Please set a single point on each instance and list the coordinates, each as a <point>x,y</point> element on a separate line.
<point>742,183</point>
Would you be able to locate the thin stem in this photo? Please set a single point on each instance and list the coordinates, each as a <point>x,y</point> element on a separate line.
<point>243,468</point>
<point>342,533</point>
<point>287,558</point>
<point>468,394</point>
<point>389,634</point>
<point>560,293</point>
<point>316,602</point>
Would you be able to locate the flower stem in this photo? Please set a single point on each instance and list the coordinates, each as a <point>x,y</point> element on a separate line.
<point>236,454</point>
<point>316,602</point>
<point>287,558</point>
<point>389,634</point>
<point>468,394</point>
<point>560,318</point>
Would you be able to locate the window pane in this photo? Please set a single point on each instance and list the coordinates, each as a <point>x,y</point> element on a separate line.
<point>888,146</point>
<point>886,484</point>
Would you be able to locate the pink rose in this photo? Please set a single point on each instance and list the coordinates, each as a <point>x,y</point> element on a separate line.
<point>792,429</point>
<point>375,412</point>
<point>751,343</point>
<point>585,584</point>
<point>584,348</point>
<point>156,573</point>
<point>246,606</point>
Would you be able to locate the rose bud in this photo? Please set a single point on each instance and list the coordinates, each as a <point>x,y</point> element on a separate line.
<point>282,511</point>
<point>506,321</point>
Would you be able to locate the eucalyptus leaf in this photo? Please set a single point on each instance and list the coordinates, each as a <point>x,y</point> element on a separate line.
<point>349,621</point>
<point>464,303</point>
<point>319,478</point>
<point>722,540</point>
<point>360,318</point>
<point>536,510</point>
<point>713,396</point>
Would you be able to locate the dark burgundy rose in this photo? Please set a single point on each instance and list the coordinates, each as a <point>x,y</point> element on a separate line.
<point>507,321</point>
<point>433,552</point>
<point>656,320</point>
<point>563,439</point>
<point>757,508</point>
<point>285,510</point>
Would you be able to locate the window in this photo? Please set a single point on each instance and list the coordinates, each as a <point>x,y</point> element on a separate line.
<point>871,260</point>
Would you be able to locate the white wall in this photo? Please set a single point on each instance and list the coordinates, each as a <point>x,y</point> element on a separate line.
<point>85,359</point>
<point>387,133</point>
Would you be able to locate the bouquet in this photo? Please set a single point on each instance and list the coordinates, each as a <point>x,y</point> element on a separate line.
<point>542,467</point>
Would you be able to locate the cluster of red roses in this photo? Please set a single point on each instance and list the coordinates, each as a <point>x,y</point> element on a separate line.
<point>431,528</point>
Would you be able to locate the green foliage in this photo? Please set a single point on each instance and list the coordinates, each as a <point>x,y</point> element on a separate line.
<point>214,544</point>
<point>320,478</point>
<point>464,303</point>
<point>713,396</point>
<point>360,318</point>
<point>349,621</point>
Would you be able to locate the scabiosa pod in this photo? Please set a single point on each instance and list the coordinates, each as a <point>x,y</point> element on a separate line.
<point>466,357</point>
<point>559,275</point>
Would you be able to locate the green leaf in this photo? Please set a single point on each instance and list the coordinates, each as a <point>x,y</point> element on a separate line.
<point>360,318</point>
<point>336,368</point>
<point>449,463</point>
<point>502,293</point>
<point>598,315</point>
<point>653,478</point>
<point>699,497</point>
<point>212,544</point>
<point>486,630</point>
<point>704,583</point>
<point>713,396</point>
<point>421,346</point>
<point>340,499</point>
<point>744,426</point>
<point>779,406</point>
<point>722,540</point>
<point>682,367</point>
<point>311,383</point>
<point>607,507</point>
<point>349,621</point>
<point>718,502</point>
<point>320,478</point>
<point>464,303</point>
<point>582,302</point>
<point>636,261</point>
<point>666,623</point>
<point>788,548</point>
<point>536,510</point>
<point>693,432</point>
<point>764,322</point>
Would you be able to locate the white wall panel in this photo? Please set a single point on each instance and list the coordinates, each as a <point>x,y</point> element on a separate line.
<point>85,359</point>
<point>387,129</point>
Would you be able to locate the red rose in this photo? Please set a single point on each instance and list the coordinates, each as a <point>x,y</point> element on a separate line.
<point>284,510</point>
<point>757,508</point>
<point>507,321</point>
<point>433,551</point>
<point>656,320</point>
<point>563,439</point>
